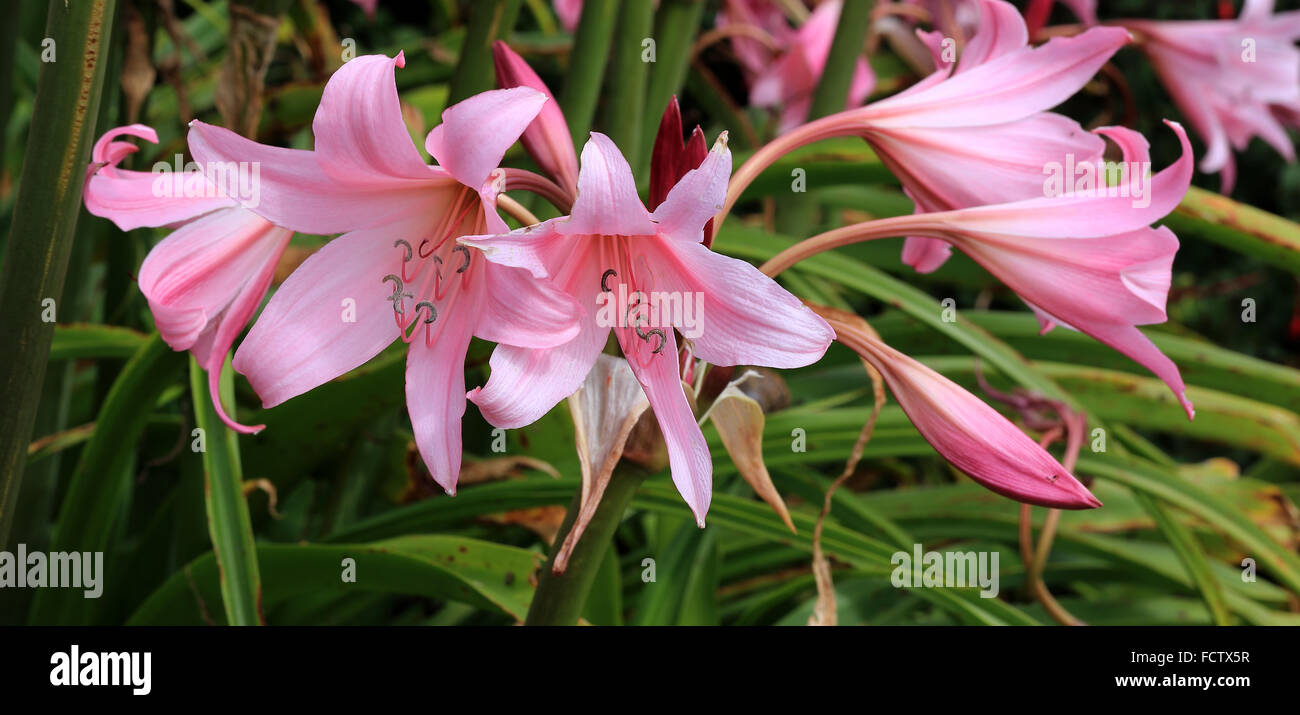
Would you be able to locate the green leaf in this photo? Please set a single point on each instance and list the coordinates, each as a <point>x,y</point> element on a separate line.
<point>479,573</point>
<point>100,488</point>
<point>81,341</point>
<point>1245,229</point>
<point>1166,486</point>
<point>46,209</point>
<point>587,62</point>
<point>228,522</point>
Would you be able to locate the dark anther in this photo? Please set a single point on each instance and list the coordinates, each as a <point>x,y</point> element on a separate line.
<point>464,250</point>
<point>662,339</point>
<point>422,245</point>
<point>433,312</point>
<point>406,249</point>
<point>609,272</point>
<point>397,290</point>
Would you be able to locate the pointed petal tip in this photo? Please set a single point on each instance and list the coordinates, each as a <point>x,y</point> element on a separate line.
<point>400,59</point>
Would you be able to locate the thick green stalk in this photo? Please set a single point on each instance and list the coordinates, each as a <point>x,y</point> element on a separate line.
<point>850,36</point>
<point>587,63</point>
<point>675,30</point>
<point>228,521</point>
<point>489,20</point>
<point>45,216</point>
<point>559,600</point>
<point>626,81</point>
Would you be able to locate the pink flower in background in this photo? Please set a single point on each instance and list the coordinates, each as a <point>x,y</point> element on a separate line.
<point>964,430</point>
<point>785,76</point>
<point>397,272</point>
<point>569,12</point>
<point>1087,260</point>
<point>612,244</point>
<point>977,133</point>
<point>1233,79</point>
<point>547,138</point>
<point>205,280</point>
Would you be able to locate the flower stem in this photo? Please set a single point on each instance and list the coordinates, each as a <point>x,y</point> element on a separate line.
<point>489,20</point>
<point>560,597</point>
<point>856,233</point>
<point>587,63</point>
<point>846,48</point>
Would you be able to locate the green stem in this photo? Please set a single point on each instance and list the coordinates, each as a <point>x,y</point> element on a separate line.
<point>45,215</point>
<point>587,62</point>
<point>229,525</point>
<point>850,35</point>
<point>675,30</point>
<point>489,20</point>
<point>559,600</point>
<point>626,81</point>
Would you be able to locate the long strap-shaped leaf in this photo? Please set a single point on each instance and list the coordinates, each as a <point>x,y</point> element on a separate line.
<point>101,483</point>
<point>228,523</point>
<point>45,215</point>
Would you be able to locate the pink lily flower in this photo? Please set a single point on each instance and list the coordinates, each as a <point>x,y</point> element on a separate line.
<point>758,28</point>
<point>1233,79</point>
<point>569,12</point>
<point>612,246</point>
<point>397,272</point>
<point>974,134</point>
<point>547,139</point>
<point>962,164</point>
<point>1086,260</point>
<point>205,280</point>
<point>786,78</point>
<point>964,430</point>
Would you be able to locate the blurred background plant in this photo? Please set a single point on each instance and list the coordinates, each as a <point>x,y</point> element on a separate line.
<point>111,465</point>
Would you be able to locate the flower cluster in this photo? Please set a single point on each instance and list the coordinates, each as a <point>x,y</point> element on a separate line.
<point>423,255</point>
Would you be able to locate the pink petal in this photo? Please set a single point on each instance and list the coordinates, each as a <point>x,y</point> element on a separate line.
<point>925,255</point>
<point>747,318</point>
<point>688,453</point>
<point>435,399</point>
<point>302,339</point>
<point>607,201</point>
<point>360,135</point>
<point>476,132</point>
<point>1087,215</point>
<point>193,275</point>
<point>569,12</point>
<point>960,167</point>
<point>526,383</point>
<point>523,311</point>
<point>132,199</point>
<point>696,198</point>
<point>298,192</point>
<point>236,317</point>
<point>1001,32</point>
<point>1011,87</point>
